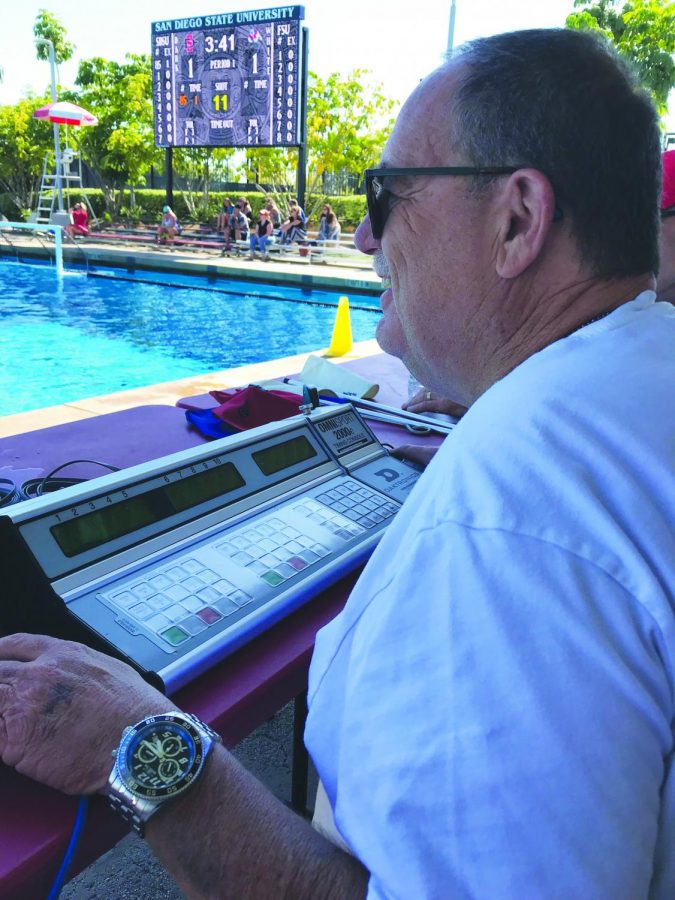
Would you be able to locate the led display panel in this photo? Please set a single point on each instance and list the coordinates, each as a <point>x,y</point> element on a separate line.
<point>228,80</point>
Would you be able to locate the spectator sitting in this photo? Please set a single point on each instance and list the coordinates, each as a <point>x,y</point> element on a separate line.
<point>223,225</point>
<point>168,226</point>
<point>245,207</point>
<point>294,228</point>
<point>329,227</point>
<point>261,237</point>
<point>79,221</point>
<point>275,215</point>
<point>238,224</point>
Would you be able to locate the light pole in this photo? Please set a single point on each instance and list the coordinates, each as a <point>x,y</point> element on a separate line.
<point>451,31</point>
<point>57,142</point>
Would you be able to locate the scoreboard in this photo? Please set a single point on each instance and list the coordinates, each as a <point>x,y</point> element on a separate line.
<point>228,80</point>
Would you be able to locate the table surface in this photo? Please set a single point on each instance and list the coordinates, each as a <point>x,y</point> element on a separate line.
<point>235,696</point>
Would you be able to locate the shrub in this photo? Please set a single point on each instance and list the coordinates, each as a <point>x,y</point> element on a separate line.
<point>349,209</point>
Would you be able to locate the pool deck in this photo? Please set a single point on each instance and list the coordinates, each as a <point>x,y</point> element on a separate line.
<point>351,273</point>
<point>193,262</point>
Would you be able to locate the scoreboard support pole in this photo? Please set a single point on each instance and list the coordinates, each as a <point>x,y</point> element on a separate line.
<point>301,178</point>
<point>168,167</point>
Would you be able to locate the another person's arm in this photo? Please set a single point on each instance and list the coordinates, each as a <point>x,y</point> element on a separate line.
<point>422,402</point>
<point>63,707</point>
<point>427,401</point>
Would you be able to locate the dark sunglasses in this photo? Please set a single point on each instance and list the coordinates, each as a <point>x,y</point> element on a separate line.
<point>378,197</point>
<point>667,213</point>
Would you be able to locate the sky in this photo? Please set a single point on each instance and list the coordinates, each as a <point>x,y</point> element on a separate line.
<point>400,42</point>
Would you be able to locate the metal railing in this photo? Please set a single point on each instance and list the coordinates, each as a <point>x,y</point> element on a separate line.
<point>35,226</point>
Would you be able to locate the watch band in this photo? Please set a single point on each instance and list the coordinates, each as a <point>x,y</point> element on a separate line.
<point>136,810</point>
<point>128,814</point>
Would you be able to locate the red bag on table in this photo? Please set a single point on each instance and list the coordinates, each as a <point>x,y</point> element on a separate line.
<point>255,406</point>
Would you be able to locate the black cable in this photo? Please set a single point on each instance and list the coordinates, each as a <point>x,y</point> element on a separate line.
<point>9,493</point>
<point>29,489</point>
<point>44,482</point>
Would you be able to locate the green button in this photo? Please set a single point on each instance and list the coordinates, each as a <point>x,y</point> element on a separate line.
<point>175,635</point>
<point>273,578</point>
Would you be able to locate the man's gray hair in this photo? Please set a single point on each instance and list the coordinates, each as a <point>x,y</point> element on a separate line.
<point>564,102</point>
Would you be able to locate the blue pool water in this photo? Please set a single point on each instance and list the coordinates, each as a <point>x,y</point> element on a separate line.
<point>83,336</point>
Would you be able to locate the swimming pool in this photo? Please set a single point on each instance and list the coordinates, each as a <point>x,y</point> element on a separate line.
<point>82,336</point>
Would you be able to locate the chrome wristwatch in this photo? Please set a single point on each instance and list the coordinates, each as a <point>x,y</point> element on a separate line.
<point>158,759</point>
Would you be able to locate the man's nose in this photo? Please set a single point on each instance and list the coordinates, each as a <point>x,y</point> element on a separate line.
<point>363,238</point>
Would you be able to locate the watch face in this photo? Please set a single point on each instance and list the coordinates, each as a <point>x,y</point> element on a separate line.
<point>160,757</point>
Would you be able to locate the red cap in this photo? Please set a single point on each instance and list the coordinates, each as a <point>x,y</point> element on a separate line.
<point>668,191</point>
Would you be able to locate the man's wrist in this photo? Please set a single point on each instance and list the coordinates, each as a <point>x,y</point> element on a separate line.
<point>159,758</point>
<point>186,806</point>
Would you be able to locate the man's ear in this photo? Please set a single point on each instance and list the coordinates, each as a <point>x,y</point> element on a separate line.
<point>525,213</point>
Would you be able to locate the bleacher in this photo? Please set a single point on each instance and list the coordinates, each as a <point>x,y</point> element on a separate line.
<point>201,237</point>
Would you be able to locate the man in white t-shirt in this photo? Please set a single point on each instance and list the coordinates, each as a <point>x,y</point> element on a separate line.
<point>491,715</point>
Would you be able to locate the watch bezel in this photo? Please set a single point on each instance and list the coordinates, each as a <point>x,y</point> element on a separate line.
<point>152,723</point>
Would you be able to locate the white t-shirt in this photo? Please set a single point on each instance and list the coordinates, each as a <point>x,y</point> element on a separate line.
<point>492,713</point>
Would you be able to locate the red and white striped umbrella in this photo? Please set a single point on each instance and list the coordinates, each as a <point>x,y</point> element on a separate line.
<point>64,113</point>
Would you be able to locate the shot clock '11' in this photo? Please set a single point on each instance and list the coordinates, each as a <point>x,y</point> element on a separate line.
<point>230,80</point>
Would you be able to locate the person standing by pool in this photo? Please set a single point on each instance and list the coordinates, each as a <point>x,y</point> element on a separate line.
<point>261,236</point>
<point>168,226</point>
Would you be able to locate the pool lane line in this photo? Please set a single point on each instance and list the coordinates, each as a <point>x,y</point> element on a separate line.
<point>217,290</point>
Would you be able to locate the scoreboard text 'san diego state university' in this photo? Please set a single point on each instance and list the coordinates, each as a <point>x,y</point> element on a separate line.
<point>228,80</point>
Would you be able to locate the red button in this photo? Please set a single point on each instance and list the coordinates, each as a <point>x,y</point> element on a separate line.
<point>209,615</point>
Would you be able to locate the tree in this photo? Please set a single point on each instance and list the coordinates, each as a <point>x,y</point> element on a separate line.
<point>198,166</point>
<point>121,147</point>
<point>24,143</point>
<point>643,31</point>
<point>48,27</point>
<point>348,121</point>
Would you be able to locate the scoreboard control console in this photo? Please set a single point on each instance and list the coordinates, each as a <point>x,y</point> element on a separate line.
<point>174,563</point>
<point>228,80</point>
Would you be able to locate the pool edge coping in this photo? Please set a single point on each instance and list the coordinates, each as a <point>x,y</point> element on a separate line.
<point>169,392</point>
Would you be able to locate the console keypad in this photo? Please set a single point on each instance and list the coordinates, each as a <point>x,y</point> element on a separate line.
<point>185,596</point>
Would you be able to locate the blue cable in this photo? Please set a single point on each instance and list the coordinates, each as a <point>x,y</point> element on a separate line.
<point>72,846</point>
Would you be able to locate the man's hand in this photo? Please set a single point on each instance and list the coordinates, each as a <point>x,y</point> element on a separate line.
<point>63,707</point>
<point>426,401</point>
<point>417,453</point>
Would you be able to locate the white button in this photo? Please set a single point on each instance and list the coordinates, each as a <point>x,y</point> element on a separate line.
<point>158,622</point>
<point>142,590</point>
<point>207,576</point>
<point>141,611</point>
<point>177,592</point>
<point>175,612</point>
<point>124,598</point>
<point>160,581</point>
